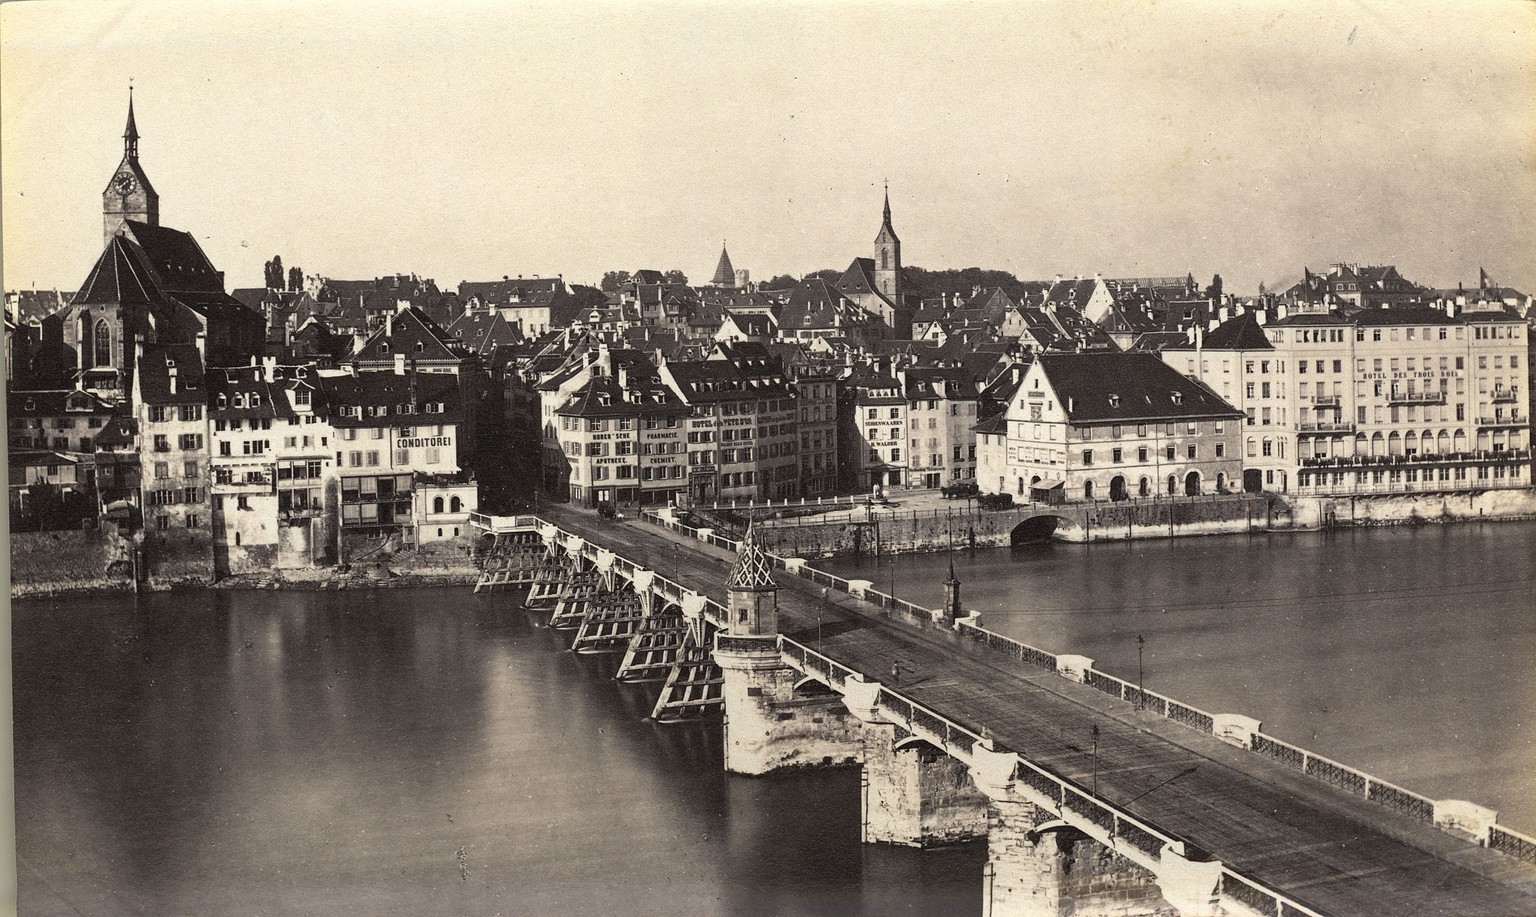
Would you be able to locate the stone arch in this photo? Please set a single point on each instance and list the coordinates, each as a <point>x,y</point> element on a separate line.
<point>1117,491</point>
<point>1088,490</point>
<point>455,505</point>
<point>1378,444</point>
<point>1459,444</point>
<point>1192,484</point>
<point>1035,529</point>
<point>1144,489</point>
<point>437,504</point>
<point>1394,443</point>
<point>1410,443</point>
<point>1362,445</point>
<point>1443,442</point>
<point>1173,484</point>
<point>1221,482</point>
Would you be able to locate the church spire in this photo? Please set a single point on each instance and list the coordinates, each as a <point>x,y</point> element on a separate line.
<point>131,133</point>
<point>725,273</point>
<point>887,222</point>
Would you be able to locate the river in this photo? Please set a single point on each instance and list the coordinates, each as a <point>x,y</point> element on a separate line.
<point>1405,652</point>
<point>408,752</point>
<point>434,752</point>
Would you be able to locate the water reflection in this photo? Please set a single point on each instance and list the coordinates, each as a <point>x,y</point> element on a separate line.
<point>411,752</point>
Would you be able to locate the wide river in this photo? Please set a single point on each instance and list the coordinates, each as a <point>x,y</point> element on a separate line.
<point>1409,653</point>
<point>434,752</point>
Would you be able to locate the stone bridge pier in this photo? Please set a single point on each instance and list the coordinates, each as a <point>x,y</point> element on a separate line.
<point>775,718</point>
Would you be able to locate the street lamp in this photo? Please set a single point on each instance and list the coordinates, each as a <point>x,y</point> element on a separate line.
<point>1141,674</point>
<point>819,609</point>
<point>1095,759</point>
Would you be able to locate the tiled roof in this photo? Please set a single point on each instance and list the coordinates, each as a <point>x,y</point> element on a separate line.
<point>55,403</point>
<point>1240,333</point>
<point>393,394</point>
<point>413,333</point>
<point>1127,386</point>
<point>154,375</point>
<point>725,275</point>
<point>751,570</point>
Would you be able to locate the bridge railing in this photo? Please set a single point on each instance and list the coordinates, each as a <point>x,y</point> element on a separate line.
<point>1352,780</point>
<point>503,523</point>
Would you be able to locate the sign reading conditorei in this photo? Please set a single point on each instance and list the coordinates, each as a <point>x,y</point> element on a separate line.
<point>422,442</point>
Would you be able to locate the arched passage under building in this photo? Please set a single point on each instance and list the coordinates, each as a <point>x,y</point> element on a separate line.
<point>1035,529</point>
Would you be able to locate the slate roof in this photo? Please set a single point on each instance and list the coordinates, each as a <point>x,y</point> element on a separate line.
<point>816,304</point>
<point>483,331</point>
<point>639,392</point>
<point>1127,386</point>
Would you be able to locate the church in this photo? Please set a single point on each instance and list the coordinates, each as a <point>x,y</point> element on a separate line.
<point>875,284</point>
<point>151,284</point>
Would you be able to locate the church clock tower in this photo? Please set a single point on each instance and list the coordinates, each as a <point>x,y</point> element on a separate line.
<point>888,257</point>
<point>129,195</point>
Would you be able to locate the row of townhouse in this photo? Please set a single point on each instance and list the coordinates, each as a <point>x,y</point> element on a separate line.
<point>910,427</point>
<point>272,465</point>
<point>1380,400</point>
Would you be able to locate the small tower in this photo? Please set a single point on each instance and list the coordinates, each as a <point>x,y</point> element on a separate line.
<point>725,275</point>
<point>888,256</point>
<point>129,195</point>
<point>753,594</point>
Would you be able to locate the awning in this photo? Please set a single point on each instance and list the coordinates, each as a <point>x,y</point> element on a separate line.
<point>1046,485</point>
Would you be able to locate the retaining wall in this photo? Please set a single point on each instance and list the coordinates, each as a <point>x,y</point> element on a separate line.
<point>73,561</point>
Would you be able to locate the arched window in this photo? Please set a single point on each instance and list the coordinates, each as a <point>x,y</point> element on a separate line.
<point>82,330</point>
<point>103,344</point>
<point>1173,484</point>
<point>437,504</point>
<point>455,505</point>
<point>1145,490</point>
<point>1087,490</point>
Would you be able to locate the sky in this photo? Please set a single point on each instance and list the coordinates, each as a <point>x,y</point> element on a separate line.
<point>468,141</point>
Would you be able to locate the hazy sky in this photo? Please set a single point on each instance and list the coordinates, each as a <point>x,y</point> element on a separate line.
<point>467,141</point>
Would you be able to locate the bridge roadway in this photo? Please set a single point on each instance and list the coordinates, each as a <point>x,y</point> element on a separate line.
<point>1335,852</point>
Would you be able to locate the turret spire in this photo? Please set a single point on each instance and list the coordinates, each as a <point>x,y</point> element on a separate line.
<point>725,274</point>
<point>887,202</point>
<point>131,132</point>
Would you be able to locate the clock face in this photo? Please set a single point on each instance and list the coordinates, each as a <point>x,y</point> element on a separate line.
<point>124,183</point>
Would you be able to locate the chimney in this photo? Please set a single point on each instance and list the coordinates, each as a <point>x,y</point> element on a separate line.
<point>1260,316</point>
<point>389,324</point>
<point>171,378</point>
<point>269,368</point>
<point>1280,311</point>
<point>202,345</point>
<point>399,364</point>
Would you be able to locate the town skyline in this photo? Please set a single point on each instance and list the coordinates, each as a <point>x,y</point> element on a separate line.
<point>1039,175</point>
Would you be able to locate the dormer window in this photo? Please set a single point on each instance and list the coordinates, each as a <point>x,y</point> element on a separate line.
<point>1178,397</point>
<point>170,363</point>
<point>255,401</point>
<point>223,400</point>
<point>1114,401</point>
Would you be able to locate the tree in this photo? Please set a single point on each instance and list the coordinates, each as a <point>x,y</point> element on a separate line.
<point>675,276</point>
<point>295,279</point>
<point>830,275</point>
<point>275,273</point>
<point>613,280</point>
<point>780,282</point>
<point>1214,290</point>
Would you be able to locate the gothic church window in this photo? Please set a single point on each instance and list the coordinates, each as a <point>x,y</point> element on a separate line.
<point>103,344</point>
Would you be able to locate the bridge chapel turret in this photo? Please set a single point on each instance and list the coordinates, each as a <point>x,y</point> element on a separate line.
<point>888,256</point>
<point>952,611</point>
<point>129,195</point>
<point>753,593</point>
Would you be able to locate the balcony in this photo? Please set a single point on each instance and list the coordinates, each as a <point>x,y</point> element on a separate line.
<point>1499,420</point>
<point>1356,462</point>
<point>1326,426</point>
<point>1416,398</point>
<point>1505,396</point>
<point>1327,401</point>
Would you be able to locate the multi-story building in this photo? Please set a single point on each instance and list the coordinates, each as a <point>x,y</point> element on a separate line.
<point>275,490</point>
<point>941,420</point>
<point>816,401</point>
<point>59,420</point>
<point>396,436</point>
<point>1108,426</point>
<point>621,432</point>
<point>743,414</point>
<point>872,425</point>
<point>1381,400</point>
<point>169,396</point>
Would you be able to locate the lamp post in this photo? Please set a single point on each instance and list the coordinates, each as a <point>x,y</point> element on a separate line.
<point>1141,674</point>
<point>819,609</point>
<point>1095,759</point>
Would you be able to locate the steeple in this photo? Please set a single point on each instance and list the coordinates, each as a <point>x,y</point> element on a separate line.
<point>888,255</point>
<point>725,275</point>
<point>131,133</point>
<point>885,225</point>
<point>952,594</point>
<point>753,595</point>
<point>129,195</point>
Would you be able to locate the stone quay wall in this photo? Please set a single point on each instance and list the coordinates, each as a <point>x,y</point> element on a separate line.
<point>70,562</point>
<point>1412,509</point>
<point>861,533</point>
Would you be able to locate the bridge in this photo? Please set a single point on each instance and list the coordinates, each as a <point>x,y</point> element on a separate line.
<point>1094,797</point>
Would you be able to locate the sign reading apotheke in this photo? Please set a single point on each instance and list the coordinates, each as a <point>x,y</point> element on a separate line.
<point>422,442</point>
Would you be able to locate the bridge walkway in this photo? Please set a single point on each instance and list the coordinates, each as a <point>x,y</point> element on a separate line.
<point>1337,853</point>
